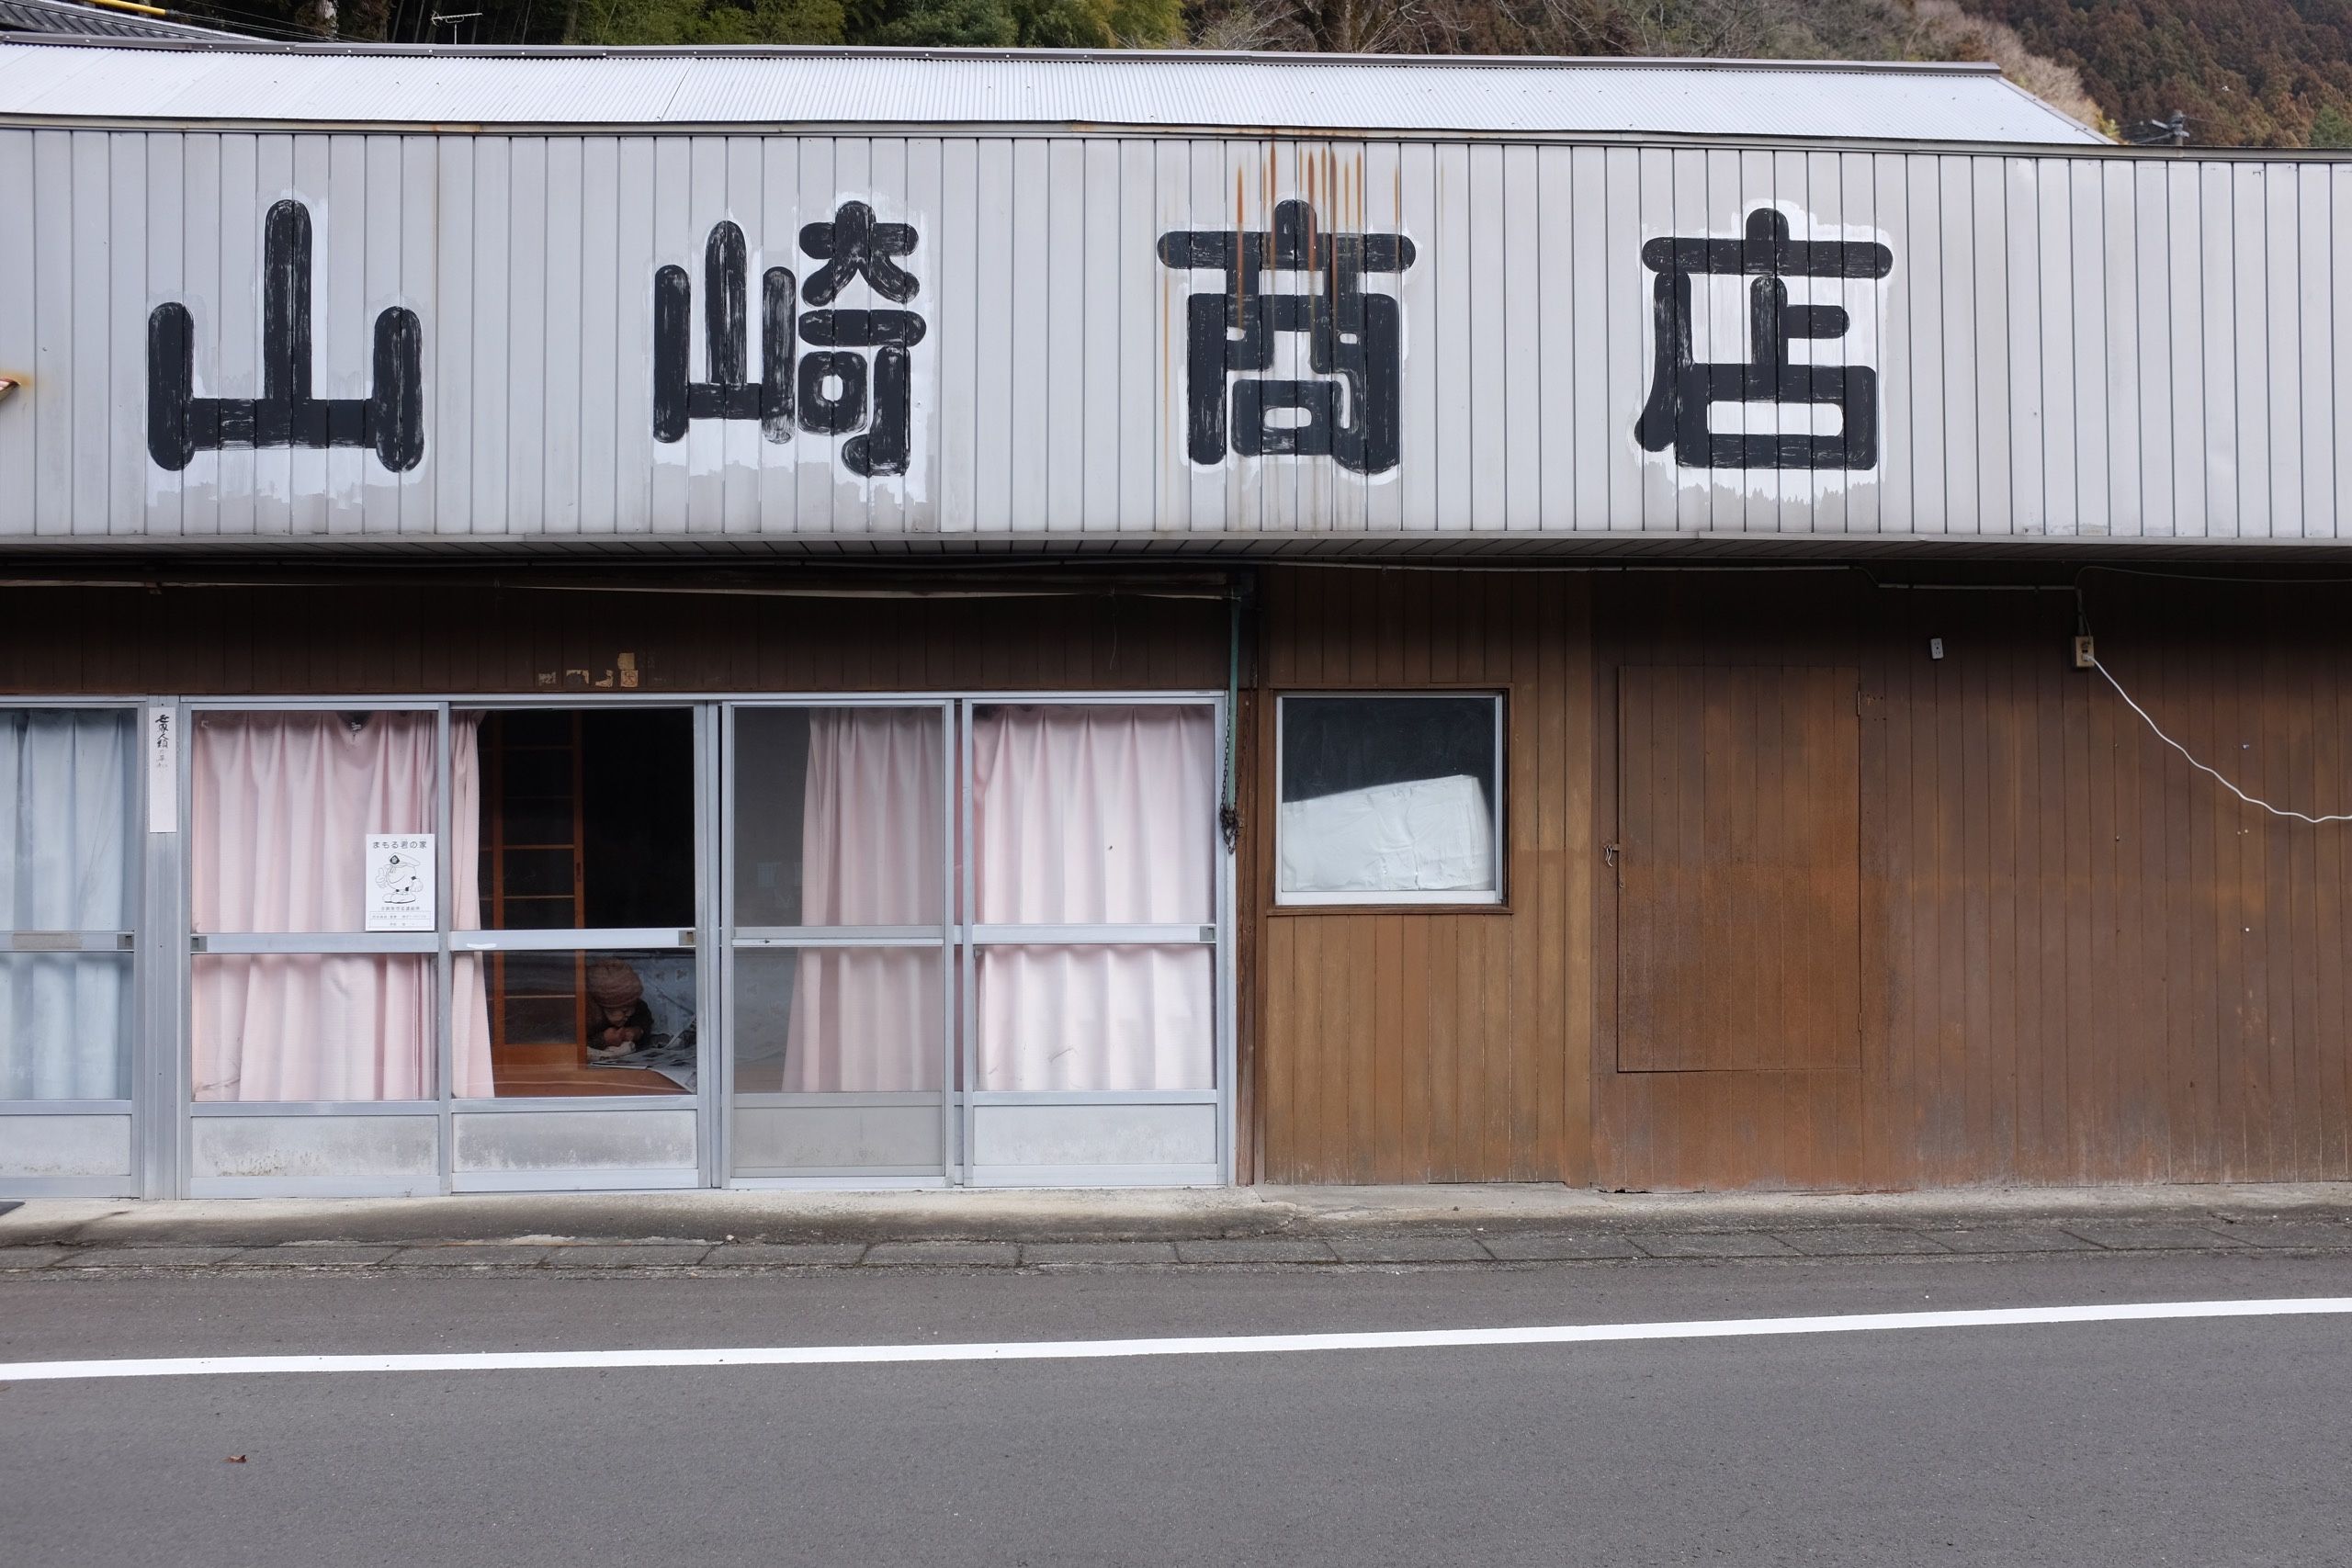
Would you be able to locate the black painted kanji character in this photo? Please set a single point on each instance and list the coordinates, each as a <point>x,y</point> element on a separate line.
<point>828,391</point>
<point>853,245</point>
<point>1681,389</point>
<point>1354,341</point>
<point>391,418</point>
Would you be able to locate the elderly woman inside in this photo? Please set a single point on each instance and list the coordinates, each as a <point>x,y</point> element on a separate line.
<point>619,1019</point>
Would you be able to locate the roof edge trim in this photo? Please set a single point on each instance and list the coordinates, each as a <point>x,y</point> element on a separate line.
<point>230,43</point>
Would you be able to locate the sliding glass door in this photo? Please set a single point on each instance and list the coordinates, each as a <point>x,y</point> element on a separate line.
<point>1091,986</point>
<point>437,947</point>
<point>975,941</point>
<point>838,895</point>
<point>69,855</point>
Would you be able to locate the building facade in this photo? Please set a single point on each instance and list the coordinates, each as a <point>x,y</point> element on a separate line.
<point>647,620</point>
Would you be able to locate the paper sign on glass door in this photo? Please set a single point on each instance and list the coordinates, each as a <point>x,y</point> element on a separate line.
<point>400,882</point>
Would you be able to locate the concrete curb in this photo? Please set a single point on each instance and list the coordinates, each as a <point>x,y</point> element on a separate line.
<point>1375,1223</point>
<point>1511,1247</point>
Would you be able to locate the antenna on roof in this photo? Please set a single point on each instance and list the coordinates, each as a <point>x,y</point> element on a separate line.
<point>2171,132</point>
<point>450,19</point>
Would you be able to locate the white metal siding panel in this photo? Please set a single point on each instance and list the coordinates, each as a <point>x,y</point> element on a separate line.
<point>2183,211</point>
<point>54,374</point>
<point>21,314</point>
<point>2122,263</point>
<point>2314,340</point>
<point>1517,305</point>
<point>1139,314</point>
<point>2066,348</point>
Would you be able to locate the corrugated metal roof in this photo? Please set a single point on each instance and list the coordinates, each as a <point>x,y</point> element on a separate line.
<point>779,89</point>
<point>53,18</point>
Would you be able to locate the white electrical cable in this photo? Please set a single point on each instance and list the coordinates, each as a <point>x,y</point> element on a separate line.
<point>2201,767</point>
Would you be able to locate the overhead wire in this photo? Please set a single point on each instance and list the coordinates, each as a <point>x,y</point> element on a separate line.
<point>2083,624</point>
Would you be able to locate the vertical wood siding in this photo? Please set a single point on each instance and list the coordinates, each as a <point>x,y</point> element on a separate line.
<point>1417,1045</point>
<point>1736,873</point>
<point>2082,962</point>
<point>2097,965</point>
<point>2097,347</point>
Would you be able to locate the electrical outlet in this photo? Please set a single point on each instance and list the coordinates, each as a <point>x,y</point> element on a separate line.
<point>1935,647</point>
<point>2084,658</point>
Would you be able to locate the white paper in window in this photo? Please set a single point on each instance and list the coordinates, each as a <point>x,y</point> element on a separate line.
<point>400,882</point>
<point>163,749</point>
<point>1422,836</point>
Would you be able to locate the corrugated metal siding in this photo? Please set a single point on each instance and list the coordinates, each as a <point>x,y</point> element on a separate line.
<point>774,90</point>
<point>2068,347</point>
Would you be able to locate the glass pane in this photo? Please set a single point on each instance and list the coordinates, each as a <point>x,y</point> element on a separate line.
<point>840,817</point>
<point>1097,1017</point>
<point>1389,794</point>
<point>861,1019</point>
<point>572,819</point>
<point>66,797</point>
<point>281,807</point>
<point>69,1026</point>
<point>574,1024</point>
<point>1087,816</point>
<point>311,1026</point>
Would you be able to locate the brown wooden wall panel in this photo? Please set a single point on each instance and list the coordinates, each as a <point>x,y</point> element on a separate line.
<point>1735,869</point>
<point>1742,1124</point>
<point>298,640</point>
<point>2100,965</point>
<point>2081,960</point>
<point>1420,1044</point>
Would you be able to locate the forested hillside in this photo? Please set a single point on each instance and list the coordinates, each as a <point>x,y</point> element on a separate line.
<point>2252,73</point>
<point>2247,72</point>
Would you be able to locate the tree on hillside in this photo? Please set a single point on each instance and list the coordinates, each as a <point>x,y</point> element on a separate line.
<point>933,23</point>
<point>2246,72</point>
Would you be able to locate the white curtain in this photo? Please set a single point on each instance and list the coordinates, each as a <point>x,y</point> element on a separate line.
<point>281,808</point>
<point>67,863</point>
<point>1084,816</point>
<point>872,851</point>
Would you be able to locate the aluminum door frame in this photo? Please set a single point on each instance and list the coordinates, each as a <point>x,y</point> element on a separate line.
<point>694,939</point>
<point>960,935</point>
<point>733,939</point>
<point>174,970</point>
<point>138,1106</point>
<point>973,935</point>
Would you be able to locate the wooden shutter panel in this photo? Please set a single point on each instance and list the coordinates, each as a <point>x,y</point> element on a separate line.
<point>1738,870</point>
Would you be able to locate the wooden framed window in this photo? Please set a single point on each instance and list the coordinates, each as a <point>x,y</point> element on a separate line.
<point>1389,798</point>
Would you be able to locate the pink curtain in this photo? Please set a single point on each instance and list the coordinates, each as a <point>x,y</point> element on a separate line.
<point>1095,816</point>
<point>872,849</point>
<point>281,808</point>
<point>469,977</point>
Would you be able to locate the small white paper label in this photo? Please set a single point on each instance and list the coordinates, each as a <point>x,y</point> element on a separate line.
<point>162,742</point>
<point>400,882</point>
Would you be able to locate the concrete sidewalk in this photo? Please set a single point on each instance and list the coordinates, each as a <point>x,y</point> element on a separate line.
<point>1263,1226</point>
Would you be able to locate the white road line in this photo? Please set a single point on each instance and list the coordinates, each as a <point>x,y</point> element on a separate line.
<point>1224,1345</point>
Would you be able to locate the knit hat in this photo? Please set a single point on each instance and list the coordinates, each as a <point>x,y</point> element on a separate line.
<point>613,984</point>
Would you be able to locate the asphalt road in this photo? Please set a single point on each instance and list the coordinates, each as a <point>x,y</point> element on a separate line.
<point>2201,1442</point>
